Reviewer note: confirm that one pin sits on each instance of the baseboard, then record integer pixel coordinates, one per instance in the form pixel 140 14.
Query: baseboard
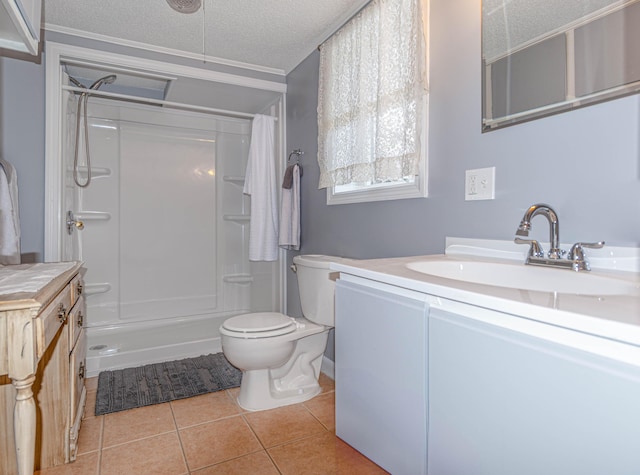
pixel 328 368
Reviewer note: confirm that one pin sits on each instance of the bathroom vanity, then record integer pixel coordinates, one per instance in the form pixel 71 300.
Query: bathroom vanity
pixel 42 353
pixel 438 372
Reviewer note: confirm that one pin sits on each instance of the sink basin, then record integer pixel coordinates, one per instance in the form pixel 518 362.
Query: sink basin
pixel 519 276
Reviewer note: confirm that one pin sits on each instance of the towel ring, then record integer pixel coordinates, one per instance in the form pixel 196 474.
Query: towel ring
pixel 297 152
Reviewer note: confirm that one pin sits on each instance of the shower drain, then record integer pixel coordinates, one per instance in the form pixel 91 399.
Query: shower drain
pixel 97 347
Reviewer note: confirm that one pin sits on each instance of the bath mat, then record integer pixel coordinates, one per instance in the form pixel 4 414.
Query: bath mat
pixel 128 388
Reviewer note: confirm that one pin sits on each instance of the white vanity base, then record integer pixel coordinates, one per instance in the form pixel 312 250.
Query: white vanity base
pixel 503 380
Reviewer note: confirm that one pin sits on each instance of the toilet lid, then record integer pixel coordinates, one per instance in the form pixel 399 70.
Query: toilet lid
pixel 266 324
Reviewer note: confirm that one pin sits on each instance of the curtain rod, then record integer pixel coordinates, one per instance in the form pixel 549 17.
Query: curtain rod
pixel 344 23
pixel 174 105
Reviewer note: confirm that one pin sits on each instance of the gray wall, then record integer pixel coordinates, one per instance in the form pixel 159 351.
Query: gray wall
pixel 22 143
pixel 585 163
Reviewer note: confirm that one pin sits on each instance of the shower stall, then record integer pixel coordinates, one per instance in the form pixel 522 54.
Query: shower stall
pixel 150 199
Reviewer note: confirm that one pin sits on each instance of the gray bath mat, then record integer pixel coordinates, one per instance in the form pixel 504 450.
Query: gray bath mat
pixel 161 382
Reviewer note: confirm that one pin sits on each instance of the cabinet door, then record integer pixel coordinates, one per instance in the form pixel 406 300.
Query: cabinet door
pixel 380 370
pixel 78 394
pixel 505 402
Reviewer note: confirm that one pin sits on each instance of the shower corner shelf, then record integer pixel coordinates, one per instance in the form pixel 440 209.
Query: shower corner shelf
pixel 238 180
pixel 96 172
pixel 237 278
pixel 238 218
pixel 93 215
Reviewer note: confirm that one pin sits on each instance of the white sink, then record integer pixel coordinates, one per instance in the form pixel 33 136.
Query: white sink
pixel 520 276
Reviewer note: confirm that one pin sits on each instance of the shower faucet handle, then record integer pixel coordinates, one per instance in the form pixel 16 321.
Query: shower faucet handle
pixel 72 222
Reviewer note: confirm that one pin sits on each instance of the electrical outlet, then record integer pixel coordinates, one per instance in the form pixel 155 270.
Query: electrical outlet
pixel 480 184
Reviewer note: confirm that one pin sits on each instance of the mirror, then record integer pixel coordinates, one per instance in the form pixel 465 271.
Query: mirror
pixel 542 57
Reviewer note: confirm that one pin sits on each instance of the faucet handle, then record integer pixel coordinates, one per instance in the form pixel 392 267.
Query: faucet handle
pixel 577 250
pixel 535 250
pixel 576 254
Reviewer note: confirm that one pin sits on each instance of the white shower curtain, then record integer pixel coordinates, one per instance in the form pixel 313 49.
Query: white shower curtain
pixel 260 182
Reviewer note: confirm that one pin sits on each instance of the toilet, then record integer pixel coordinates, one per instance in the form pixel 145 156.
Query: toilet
pixel 280 356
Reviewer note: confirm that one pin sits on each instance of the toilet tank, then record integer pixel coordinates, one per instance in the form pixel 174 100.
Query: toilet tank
pixel 316 290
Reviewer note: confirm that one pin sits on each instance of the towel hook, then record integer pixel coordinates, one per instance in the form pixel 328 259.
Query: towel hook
pixel 297 152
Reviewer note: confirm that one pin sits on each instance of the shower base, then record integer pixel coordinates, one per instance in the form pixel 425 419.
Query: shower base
pixel 136 344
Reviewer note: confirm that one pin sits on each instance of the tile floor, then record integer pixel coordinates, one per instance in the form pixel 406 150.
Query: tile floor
pixel 211 434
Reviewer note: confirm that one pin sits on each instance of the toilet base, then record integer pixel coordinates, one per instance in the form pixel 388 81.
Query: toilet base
pixel 295 381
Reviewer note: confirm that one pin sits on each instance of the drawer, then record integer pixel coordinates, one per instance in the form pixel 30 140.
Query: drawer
pixel 76 321
pixel 77 288
pixel 77 370
pixel 77 393
pixel 52 318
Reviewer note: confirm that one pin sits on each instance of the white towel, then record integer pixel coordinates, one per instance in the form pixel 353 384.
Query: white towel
pixel 9 217
pixel 290 214
pixel 260 183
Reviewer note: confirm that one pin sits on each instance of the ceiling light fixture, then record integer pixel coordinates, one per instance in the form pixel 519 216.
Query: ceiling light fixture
pixel 185 6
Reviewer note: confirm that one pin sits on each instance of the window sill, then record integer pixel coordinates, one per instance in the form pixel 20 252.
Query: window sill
pixel 399 192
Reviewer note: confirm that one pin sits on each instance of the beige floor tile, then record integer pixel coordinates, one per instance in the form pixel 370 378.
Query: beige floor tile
pixel 233 394
pixel 159 455
pixel 205 408
pixel 218 441
pixel 90 435
pixel 125 426
pixel 320 455
pixel 323 407
pixel 91 383
pixel 284 424
pixel 84 465
pixel 90 405
pixel 256 463
pixel 326 383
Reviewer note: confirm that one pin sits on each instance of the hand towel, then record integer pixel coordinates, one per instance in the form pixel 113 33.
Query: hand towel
pixel 9 217
pixel 290 213
pixel 260 182
pixel 287 181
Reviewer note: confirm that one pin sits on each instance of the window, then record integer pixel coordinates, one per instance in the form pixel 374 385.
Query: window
pixel 372 103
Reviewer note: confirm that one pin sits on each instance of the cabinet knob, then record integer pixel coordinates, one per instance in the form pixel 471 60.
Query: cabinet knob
pixel 81 370
pixel 79 288
pixel 80 320
pixel 62 314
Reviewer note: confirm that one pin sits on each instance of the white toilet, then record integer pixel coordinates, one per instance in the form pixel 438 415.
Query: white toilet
pixel 280 356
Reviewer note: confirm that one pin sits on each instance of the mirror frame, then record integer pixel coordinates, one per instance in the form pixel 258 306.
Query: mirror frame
pixel 570 102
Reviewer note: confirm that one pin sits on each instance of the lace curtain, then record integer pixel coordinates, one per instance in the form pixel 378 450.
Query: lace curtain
pixel 370 97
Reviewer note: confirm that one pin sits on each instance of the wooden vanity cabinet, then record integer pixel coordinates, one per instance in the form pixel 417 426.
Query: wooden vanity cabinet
pixel 42 360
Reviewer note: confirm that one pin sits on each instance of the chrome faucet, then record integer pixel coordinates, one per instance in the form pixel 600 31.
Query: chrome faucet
pixel 576 259
pixel 554 227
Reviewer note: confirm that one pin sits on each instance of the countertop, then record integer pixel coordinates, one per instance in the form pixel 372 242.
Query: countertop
pixel 27 285
pixel 615 317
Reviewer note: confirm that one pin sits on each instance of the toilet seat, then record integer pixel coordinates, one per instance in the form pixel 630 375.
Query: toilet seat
pixel 259 325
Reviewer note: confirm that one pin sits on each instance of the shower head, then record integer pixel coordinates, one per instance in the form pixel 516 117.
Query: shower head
pixel 105 80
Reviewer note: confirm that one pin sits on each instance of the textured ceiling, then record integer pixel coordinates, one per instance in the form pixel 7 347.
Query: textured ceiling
pixel 266 33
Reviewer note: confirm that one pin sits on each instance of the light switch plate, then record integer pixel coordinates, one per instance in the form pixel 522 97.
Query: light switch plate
pixel 480 184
